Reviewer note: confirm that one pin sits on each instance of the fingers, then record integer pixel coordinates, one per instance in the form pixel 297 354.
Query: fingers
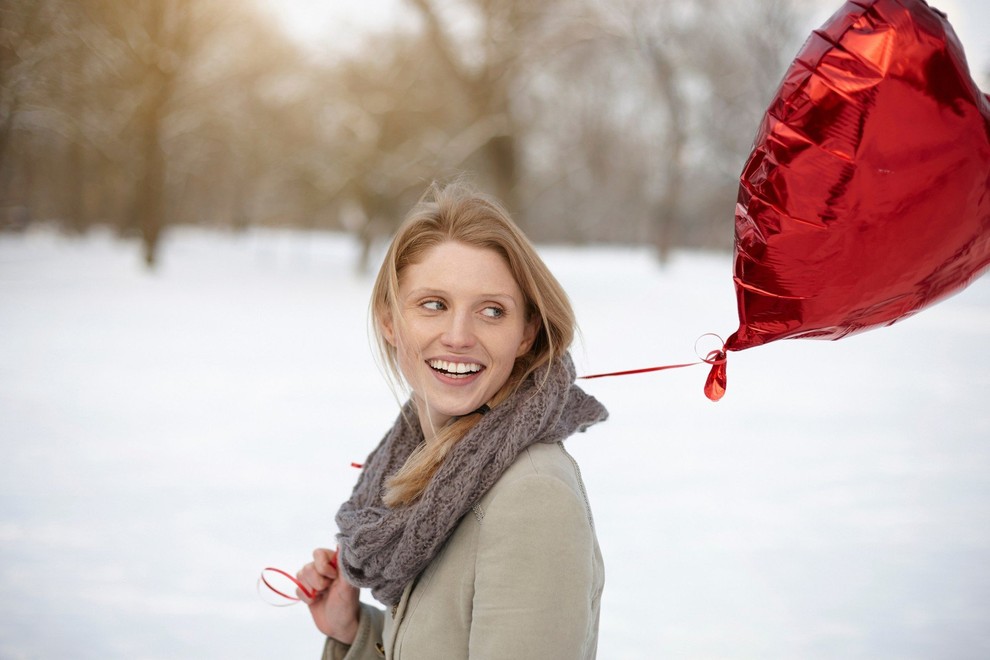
pixel 309 586
pixel 326 562
pixel 312 582
pixel 316 576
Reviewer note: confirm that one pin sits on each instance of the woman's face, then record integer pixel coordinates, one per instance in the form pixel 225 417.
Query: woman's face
pixel 463 324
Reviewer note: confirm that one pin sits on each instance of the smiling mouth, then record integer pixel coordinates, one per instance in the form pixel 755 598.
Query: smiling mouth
pixel 455 369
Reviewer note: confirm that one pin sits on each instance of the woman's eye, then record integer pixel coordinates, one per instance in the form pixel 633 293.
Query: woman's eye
pixel 493 312
pixel 434 305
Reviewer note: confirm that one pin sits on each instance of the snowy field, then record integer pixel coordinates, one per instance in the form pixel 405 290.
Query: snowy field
pixel 166 435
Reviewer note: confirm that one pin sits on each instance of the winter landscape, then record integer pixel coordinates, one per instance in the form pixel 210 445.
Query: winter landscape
pixel 168 434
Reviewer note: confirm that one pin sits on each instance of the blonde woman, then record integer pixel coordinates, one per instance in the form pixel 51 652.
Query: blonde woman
pixel 469 521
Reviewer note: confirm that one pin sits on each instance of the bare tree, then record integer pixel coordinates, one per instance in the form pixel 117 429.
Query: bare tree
pixel 30 40
pixel 149 46
pixel 490 67
pixel 662 100
pixel 594 120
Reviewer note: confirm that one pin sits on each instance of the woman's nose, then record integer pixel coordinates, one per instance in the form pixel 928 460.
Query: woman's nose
pixel 459 332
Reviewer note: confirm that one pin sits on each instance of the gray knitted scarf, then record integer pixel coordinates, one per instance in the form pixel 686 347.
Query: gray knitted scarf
pixel 385 548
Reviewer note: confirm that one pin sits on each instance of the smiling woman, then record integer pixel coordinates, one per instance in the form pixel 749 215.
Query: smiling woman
pixel 467 248
pixel 462 322
pixel 469 521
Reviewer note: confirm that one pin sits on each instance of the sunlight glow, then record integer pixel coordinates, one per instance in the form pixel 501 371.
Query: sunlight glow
pixel 333 23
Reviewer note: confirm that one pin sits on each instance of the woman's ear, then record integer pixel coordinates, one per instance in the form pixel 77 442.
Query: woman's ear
pixel 529 335
pixel 388 328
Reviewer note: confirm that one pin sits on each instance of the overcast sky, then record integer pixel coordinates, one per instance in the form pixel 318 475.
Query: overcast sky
pixel 320 22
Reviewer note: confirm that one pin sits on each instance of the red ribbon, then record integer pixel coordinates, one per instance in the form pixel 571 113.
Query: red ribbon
pixel 714 384
pixel 303 588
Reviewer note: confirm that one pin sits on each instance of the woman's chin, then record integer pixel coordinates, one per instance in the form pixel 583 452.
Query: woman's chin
pixel 441 412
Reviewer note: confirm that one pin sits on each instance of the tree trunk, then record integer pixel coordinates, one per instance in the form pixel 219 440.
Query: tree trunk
pixel 148 212
pixel 668 206
pixel 165 33
pixel 501 153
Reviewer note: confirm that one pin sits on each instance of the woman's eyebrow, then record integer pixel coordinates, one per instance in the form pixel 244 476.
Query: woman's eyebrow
pixel 425 291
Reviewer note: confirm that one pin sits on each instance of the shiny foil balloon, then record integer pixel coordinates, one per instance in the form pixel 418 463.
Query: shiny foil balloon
pixel 867 194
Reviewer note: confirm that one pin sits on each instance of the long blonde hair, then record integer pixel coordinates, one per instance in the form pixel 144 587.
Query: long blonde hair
pixel 456 212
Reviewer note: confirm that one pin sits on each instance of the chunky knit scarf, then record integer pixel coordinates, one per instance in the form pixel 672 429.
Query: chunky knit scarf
pixel 385 548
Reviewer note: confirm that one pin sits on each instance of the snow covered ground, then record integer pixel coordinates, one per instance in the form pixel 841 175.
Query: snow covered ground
pixel 166 435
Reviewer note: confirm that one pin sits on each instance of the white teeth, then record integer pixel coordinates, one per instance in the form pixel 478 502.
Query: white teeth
pixel 455 367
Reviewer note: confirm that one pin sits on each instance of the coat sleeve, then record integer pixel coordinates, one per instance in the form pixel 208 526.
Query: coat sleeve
pixel 536 587
pixel 367 642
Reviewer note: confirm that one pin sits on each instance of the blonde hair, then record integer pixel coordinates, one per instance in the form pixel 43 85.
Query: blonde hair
pixel 456 212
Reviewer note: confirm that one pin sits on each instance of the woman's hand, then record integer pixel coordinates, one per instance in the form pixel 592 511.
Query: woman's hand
pixel 334 602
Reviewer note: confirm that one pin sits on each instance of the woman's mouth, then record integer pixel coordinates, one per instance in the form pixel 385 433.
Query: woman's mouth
pixel 455 370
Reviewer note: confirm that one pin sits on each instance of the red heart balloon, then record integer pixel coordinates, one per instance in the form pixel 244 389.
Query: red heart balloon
pixel 867 194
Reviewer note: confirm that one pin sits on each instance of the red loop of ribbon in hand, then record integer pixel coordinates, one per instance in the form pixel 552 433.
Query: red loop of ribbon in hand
pixel 309 593
pixel 303 588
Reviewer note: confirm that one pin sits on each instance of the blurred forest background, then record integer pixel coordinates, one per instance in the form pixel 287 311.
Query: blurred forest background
pixel 621 121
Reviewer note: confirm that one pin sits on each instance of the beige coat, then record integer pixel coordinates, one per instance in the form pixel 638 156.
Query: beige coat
pixel 521 577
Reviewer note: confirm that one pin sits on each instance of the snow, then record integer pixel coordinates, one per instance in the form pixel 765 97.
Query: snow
pixel 167 435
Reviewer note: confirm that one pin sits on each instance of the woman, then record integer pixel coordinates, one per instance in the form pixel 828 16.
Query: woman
pixel 469 520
